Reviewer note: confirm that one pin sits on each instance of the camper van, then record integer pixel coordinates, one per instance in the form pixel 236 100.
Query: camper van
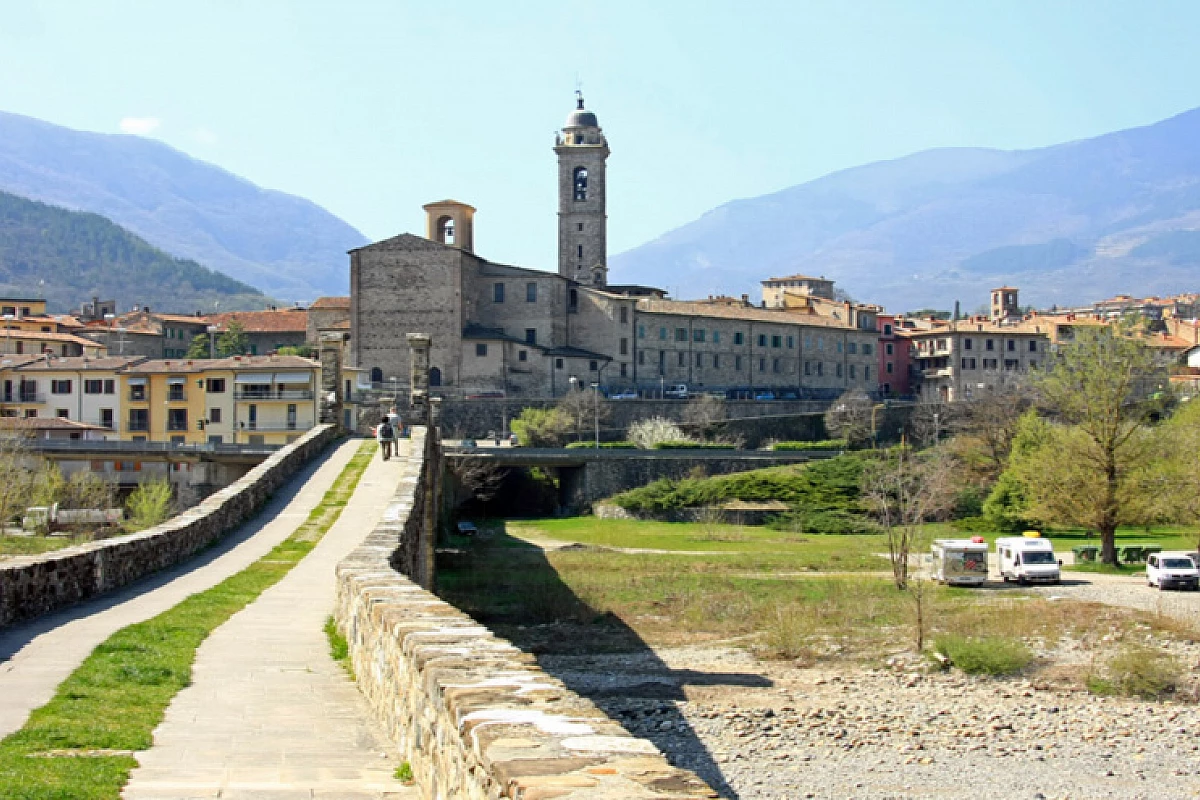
pixel 1027 559
pixel 960 562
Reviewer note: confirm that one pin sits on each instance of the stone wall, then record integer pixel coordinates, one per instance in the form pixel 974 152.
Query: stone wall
pixel 474 716
pixel 34 585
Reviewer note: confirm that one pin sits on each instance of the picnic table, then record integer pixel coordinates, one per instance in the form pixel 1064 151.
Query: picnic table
pixel 1085 553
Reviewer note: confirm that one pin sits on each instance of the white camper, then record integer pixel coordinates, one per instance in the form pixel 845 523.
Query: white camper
pixel 960 562
pixel 1027 559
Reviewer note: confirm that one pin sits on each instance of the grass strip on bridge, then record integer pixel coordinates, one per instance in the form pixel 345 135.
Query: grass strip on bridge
pixel 80 745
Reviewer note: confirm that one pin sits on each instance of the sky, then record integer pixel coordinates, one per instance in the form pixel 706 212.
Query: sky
pixel 372 109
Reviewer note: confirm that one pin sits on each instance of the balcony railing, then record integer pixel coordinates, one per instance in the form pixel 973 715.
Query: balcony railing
pixel 272 394
pixel 179 396
pixel 938 372
pixel 23 397
pixel 138 397
pixel 137 426
pixel 177 426
pixel 270 427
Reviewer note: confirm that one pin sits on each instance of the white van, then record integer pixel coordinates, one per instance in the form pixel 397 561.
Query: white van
pixel 1168 569
pixel 1027 559
pixel 960 562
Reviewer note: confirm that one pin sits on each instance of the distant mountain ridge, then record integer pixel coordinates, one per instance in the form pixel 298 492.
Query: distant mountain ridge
pixel 67 257
pixel 284 245
pixel 1068 223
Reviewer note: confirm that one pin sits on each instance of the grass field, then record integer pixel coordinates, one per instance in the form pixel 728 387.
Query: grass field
pixel 770 589
pixel 80 745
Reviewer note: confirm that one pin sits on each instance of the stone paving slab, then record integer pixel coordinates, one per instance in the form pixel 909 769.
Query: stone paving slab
pixel 37 656
pixel 269 714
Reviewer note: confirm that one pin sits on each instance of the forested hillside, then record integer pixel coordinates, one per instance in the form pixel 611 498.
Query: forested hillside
pixel 69 256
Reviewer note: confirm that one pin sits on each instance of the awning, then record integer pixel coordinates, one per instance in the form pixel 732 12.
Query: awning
pixel 136 381
pixel 176 381
pixel 253 377
pixel 294 377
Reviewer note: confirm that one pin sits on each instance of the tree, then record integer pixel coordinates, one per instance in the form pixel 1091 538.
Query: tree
pixel 647 433
pixel 1172 479
pixel 930 421
pixel 541 427
pixel 903 490
pixel 990 419
pixel 233 341
pixel 851 418
pixel 1085 470
pixel 17 479
pixel 148 505
pixel 200 347
pixel 704 413
pixel 584 408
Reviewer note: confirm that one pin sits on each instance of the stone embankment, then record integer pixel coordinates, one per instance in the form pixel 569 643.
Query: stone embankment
pixel 31 586
pixel 473 715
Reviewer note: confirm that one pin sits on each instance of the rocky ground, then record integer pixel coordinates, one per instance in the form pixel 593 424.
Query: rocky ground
pixel 766 730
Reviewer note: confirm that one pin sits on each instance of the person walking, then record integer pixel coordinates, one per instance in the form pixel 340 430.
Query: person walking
pixel 386 435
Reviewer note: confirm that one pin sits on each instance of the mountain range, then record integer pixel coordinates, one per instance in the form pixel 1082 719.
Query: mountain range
pixel 68 257
pixel 1067 224
pixel 284 245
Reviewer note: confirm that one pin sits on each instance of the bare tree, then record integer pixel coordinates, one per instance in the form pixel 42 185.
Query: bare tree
pixel 851 418
pixel 704 413
pixel 990 416
pixel 584 408
pixel 931 420
pixel 480 478
pixel 16 477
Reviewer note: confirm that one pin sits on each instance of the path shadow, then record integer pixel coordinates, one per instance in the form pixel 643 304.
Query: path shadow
pixel 14 638
pixel 510 585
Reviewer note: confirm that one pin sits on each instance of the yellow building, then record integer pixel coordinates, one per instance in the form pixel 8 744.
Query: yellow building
pixel 260 399
pixel 163 401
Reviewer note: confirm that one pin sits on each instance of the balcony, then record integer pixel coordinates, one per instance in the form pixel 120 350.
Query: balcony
pixel 272 427
pixel 138 397
pixel 138 426
pixel 937 372
pixel 259 395
pixel 25 397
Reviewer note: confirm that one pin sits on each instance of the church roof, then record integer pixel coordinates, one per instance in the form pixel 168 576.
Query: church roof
pixel 581 117
pixel 405 241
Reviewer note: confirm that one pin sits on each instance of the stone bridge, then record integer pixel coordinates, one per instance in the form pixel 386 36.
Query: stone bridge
pixel 586 475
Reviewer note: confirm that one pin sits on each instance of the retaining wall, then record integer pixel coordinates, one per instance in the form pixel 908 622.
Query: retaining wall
pixel 474 716
pixel 34 585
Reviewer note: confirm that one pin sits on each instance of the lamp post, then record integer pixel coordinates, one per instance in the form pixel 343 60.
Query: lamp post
pixel 596 411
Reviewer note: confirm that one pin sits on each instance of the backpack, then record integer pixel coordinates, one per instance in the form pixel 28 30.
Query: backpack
pixel 385 430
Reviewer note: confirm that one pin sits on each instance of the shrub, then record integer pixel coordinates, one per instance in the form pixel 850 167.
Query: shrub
pixel 1137 672
pixel 603 445
pixel 647 433
pixel 541 427
pixel 824 444
pixel 831 521
pixel 984 655
pixel 148 505
pixel 689 444
pixel 1007 507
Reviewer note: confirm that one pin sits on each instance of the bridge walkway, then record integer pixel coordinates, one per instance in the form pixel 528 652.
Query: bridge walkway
pixel 269 713
pixel 37 656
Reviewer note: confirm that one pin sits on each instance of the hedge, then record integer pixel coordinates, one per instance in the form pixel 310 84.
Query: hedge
pixel 824 444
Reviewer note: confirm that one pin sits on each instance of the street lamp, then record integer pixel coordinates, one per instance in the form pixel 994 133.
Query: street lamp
pixel 596 411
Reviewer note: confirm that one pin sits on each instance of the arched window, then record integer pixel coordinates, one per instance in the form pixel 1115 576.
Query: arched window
pixel 445 230
pixel 581 183
pixel 376 376
pixel 435 376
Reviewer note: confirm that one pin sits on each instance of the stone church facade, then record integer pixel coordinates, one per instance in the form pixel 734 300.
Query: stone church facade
pixel 500 329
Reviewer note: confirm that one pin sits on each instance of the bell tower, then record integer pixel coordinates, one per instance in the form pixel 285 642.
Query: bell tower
pixel 582 222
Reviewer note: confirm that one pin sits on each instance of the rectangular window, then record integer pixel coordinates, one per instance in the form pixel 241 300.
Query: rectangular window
pixel 522 355
pixel 791 342
pixel 775 365
pixel 807 368
pixel 62 413
pixel 698 335
pixel 991 363
pixel 868 349
pixel 579 251
pixel 93 387
pixel 177 419
pixel 681 355
pixel 776 341
pixel 737 363
pixel 531 336
pixel 839 369
pixel 480 349
pixel 531 292
pixel 889 368
pixel 681 334
pixel 1011 345
pixel 966 344
pixel 839 345
pixel 498 293
pixel 214 415
pixel 762 340
pixel 989 344
pixel 716 361
pixel 139 419
pixel 579 227
pixel 739 337
pixel 641 356
pixel 624 373
pixel 716 337
pixel 558 363
pixel 662 333
pixel 1011 364
pixel 60 387
pixel 887 329
pixel 593 366
pixel 699 359
pixel 820 368
pixel 624 346
pixel 888 348
pixel 110 386
pixel 1033 345
pixel 215 385
pixel 641 331
pixel 820 343
pixel 624 315
pixel 137 393
pixel 866 373
pixel 852 349
pixel 762 365
pixel 106 418
pixel 852 371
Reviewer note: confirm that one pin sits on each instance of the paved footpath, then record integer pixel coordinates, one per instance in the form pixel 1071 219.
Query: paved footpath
pixel 269 714
pixel 37 656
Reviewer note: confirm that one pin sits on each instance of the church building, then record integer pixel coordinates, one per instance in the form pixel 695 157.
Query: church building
pixel 499 329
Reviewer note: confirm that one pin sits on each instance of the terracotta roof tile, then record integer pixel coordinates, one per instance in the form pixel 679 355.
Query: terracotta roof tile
pixel 284 320
pixel 331 303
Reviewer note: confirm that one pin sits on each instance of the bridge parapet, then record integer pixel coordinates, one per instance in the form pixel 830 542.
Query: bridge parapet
pixel 476 717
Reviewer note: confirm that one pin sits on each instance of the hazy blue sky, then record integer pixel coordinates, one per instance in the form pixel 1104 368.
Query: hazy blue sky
pixel 373 108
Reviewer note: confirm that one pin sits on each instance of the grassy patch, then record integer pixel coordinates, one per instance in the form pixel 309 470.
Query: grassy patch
pixel 1137 671
pixel 339 648
pixel 984 655
pixel 33 545
pixel 117 697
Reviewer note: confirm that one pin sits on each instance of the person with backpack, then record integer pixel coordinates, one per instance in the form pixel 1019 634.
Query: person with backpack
pixel 386 435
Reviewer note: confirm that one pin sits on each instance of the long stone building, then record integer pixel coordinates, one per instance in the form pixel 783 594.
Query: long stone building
pixel 501 329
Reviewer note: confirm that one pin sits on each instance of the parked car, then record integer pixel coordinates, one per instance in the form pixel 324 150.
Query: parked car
pixel 1168 569
pixel 679 391
pixel 466 528
pixel 765 396
pixel 1027 559
pixel 628 394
